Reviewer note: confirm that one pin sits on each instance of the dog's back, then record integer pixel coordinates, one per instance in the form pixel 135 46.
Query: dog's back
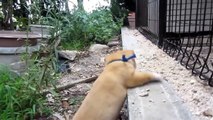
pixel 109 91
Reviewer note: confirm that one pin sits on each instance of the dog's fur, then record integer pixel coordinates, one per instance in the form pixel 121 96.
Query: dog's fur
pixel 109 91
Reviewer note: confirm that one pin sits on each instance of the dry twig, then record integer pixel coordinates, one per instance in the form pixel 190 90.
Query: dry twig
pixel 69 85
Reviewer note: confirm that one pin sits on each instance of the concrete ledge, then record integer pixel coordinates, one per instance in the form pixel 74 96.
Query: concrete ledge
pixel 16 50
pixel 160 103
pixel 10 55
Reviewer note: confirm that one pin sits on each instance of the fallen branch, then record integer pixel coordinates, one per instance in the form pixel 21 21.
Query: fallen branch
pixel 69 85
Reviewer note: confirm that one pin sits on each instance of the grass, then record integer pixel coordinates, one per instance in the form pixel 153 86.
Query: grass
pixel 75 45
pixel 19 98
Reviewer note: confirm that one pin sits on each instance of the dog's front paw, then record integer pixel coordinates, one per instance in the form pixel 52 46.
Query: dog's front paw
pixel 157 77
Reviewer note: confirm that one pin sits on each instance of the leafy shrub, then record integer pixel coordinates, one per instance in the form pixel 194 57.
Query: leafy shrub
pixel 102 25
pixel 79 29
pixel 85 28
pixel 19 98
pixel 74 32
pixel 118 9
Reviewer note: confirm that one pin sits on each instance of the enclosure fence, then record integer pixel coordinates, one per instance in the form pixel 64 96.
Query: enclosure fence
pixel 184 29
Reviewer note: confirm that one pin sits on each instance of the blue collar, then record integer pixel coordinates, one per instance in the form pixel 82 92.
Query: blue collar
pixel 124 58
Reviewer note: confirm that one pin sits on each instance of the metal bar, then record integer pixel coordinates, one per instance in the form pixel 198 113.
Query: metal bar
pixel 205 65
pixel 162 21
pixel 169 22
pixel 194 43
pixel 184 26
pixel 201 44
pixel 197 61
pixel 176 41
pixel 180 44
pixel 168 16
pixel 189 37
pixel 210 80
pixel 137 15
pixel 169 45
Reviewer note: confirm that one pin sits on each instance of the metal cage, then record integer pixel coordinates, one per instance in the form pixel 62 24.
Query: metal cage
pixel 184 31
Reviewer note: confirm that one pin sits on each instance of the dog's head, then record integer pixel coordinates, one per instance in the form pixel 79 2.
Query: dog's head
pixel 121 55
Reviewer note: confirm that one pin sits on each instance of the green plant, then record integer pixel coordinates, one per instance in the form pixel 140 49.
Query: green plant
pixel 19 97
pixel 79 29
pixel 102 26
pixel 74 30
pixel 118 9
pixel 42 67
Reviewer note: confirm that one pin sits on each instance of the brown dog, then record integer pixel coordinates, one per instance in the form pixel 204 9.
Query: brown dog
pixel 109 91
